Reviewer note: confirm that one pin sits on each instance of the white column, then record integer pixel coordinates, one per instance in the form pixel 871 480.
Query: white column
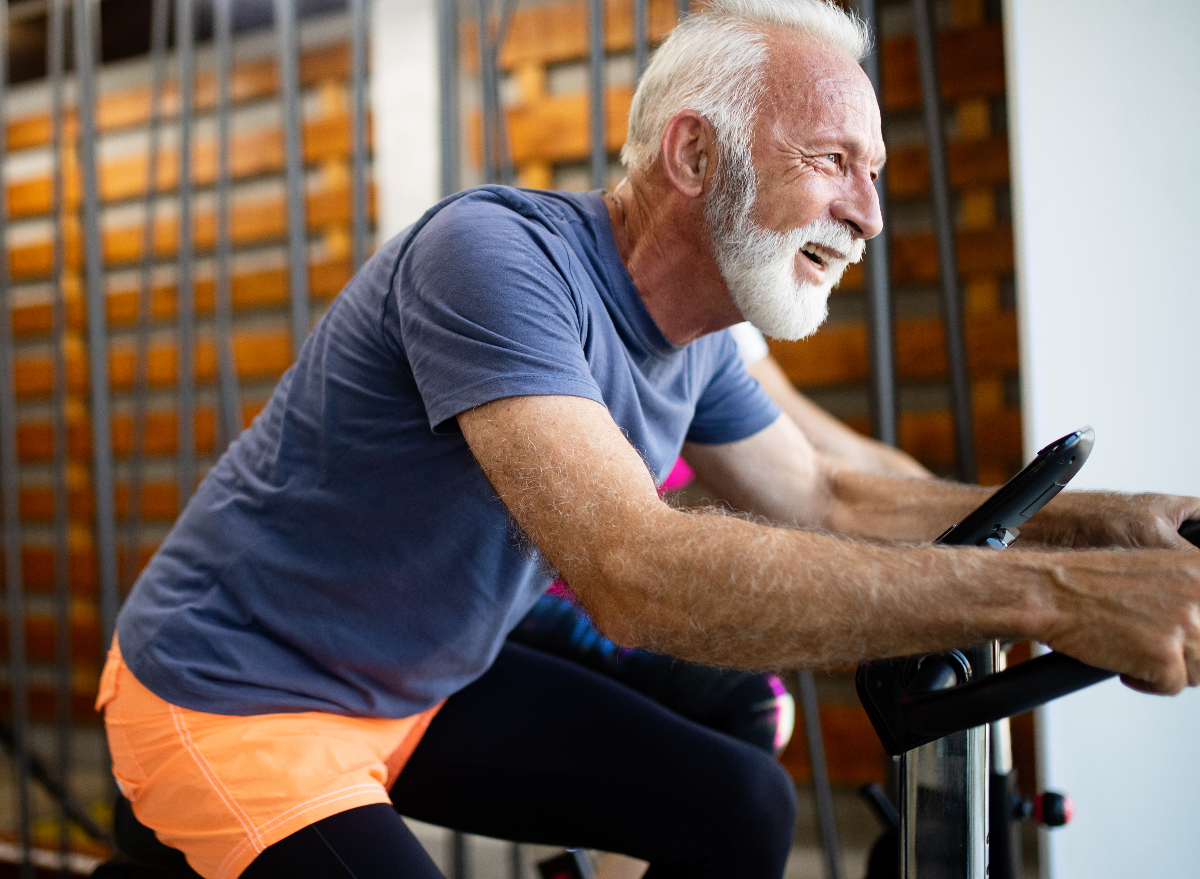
pixel 404 101
pixel 1104 106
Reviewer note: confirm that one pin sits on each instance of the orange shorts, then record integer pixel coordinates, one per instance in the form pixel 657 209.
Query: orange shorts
pixel 222 788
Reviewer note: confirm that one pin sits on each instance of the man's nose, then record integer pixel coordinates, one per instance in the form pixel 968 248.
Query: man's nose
pixel 859 206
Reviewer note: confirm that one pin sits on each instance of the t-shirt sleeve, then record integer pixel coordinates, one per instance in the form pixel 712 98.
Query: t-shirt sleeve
pixel 487 310
pixel 733 405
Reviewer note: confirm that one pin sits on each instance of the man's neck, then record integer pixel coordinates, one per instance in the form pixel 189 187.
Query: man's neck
pixel 663 241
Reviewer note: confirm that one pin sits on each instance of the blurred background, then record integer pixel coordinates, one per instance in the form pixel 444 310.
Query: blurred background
pixel 190 182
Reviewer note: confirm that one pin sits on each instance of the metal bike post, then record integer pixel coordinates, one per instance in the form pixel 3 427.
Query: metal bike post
pixel 944 798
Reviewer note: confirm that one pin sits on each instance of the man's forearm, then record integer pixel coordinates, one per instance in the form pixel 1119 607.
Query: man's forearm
pixel 725 591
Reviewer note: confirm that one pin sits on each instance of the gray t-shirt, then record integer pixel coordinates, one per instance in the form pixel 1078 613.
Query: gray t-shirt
pixel 347 554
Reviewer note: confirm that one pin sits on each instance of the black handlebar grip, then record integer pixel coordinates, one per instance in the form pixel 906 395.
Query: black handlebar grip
pixel 1190 531
pixel 1019 689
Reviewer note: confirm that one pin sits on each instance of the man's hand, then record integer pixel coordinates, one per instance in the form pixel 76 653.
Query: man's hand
pixel 1096 519
pixel 1137 613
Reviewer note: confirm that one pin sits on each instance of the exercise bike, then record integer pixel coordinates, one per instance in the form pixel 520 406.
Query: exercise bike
pixel 945 715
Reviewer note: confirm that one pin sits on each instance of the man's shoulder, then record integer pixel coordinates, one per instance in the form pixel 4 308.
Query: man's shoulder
pixel 507 206
pixel 487 227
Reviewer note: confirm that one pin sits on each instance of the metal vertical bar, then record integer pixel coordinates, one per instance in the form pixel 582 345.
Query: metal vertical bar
pixel 448 89
pixel 159 19
pixel 359 24
pixel 682 8
pixel 185 291
pixel 487 71
pixel 884 405
pixel 516 862
pixel 821 790
pixel 508 174
pixel 102 455
pixel 288 31
pixel 460 856
pixel 55 47
pixel 596 93
pixel 641 35
pixel 230 407
pixel 9 476
pixel 960 388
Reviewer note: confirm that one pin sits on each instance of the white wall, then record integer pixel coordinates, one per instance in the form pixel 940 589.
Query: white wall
pixel 1104 106
pixel 404 100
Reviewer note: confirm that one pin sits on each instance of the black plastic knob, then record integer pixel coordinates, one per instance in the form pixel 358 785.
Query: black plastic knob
pixel 1053 809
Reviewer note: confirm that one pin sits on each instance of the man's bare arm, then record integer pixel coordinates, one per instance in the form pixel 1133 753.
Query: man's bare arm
pixel 723 590
pixel 778 474
pixel 829 436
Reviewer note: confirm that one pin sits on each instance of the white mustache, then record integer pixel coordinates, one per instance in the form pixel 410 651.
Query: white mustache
pixel 831 236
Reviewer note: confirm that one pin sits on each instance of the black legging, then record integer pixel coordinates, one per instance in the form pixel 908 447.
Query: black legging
pixel 540 750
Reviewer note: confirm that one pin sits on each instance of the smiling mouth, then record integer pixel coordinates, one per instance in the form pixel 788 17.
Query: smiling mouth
pixel 815 256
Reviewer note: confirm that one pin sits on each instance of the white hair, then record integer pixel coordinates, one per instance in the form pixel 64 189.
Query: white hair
pixel 713 61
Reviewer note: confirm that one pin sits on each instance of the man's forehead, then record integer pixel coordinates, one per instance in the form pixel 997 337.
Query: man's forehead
pixel 814 89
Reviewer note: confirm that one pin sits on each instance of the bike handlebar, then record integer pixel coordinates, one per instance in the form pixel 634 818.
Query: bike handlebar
pixel 931 705
pixel 1019 689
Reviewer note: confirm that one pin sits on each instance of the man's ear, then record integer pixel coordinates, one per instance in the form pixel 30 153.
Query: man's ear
pixel 688 152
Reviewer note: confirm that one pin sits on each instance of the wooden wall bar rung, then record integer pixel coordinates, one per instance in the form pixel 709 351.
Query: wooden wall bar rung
pixel 839 354
pixel 259 354
pixel 35 438
pixel 558 33
pixel 929 436
pixel 254 290
pixel 252 154
pixel 43 708
pixel 258 222
pixel 968 163
pixel 39 637
pixel 130 108
pixel 986 252
pixel 159 503
pixel 37 564
pixel 556 128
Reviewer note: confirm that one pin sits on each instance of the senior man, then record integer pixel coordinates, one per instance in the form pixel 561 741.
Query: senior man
pixel 494 397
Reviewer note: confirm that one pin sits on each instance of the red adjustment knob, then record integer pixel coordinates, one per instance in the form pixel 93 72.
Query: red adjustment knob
pixel 1052 809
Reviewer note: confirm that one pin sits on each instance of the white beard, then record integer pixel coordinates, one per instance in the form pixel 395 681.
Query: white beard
pixel 759 266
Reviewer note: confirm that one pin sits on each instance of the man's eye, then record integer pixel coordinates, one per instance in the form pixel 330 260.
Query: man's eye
pixel 834 157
